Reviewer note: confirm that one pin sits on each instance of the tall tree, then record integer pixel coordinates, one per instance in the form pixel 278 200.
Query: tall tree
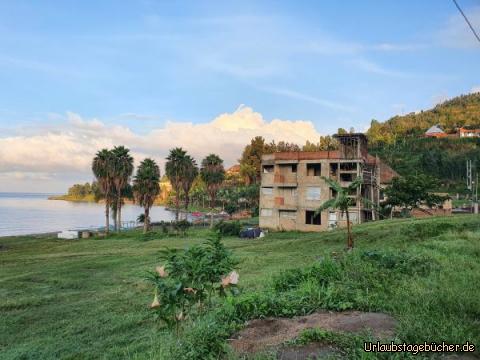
pixel 102 167
pixel 190 174
pixel 175 170
pixel 412 191
pixel 122 172
pixel 213 174
pixel 325 143
pixel 342 201
pixel 146 188
pixel 251 161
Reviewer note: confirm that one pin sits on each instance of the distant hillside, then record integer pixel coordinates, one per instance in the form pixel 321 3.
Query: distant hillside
pixel 459 111
pixel 444 159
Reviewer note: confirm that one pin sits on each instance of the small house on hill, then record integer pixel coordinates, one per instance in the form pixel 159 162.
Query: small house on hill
pixel 468 132
pixel 436 132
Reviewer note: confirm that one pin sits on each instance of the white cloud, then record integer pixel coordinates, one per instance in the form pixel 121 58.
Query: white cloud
pixel 67 151
pixel 475 89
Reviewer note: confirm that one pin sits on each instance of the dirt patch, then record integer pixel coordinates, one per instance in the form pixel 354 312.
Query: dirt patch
pixel 267 333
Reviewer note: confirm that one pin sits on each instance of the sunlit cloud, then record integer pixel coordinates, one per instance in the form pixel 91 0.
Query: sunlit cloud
pixel 69 149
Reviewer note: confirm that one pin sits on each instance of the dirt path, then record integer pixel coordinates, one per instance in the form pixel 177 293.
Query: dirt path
pixel 268 333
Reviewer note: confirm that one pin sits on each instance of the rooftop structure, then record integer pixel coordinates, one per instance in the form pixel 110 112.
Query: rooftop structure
pixel 435 131
pixel 292 188
pixel 467 132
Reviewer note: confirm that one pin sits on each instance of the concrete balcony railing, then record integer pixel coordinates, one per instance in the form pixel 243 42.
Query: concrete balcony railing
pixel 267 179
pixel 285 179
pixel 285 202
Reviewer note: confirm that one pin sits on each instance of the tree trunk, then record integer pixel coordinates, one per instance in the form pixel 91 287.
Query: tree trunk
pixel 177 205
pixel 211 220
pixel 107 217
pixel 187 201
pixel 212 199
pixel 349 233
pixel 146 221
pixel 119 213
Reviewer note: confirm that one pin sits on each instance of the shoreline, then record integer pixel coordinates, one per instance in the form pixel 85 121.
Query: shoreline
pixel 34 235
pixel 93 201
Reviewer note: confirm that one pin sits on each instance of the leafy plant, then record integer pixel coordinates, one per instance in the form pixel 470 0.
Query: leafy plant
pixel 342 201
pixel 228 228
pixel 189 277
pixel 141 218
pixel 412 191
pixel 181 226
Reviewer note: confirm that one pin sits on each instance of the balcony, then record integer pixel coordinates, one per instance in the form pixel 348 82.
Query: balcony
pixel 285 180
pixel 267 179
pixel 286 202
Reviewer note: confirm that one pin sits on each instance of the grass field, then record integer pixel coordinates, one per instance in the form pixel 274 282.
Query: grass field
pixel 88 298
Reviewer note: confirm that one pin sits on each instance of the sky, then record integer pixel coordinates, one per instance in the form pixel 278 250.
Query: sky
pixel 77 76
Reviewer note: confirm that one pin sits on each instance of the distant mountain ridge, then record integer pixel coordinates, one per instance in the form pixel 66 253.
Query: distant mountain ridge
pixel 463 110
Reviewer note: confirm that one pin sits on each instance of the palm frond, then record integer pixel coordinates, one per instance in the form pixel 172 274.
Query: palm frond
pixel 329 204
pixel 355 183
pixel 333 184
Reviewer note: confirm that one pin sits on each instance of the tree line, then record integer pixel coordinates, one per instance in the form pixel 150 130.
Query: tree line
pixel 113 170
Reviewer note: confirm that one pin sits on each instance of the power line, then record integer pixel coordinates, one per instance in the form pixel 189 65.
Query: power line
pixel 466 19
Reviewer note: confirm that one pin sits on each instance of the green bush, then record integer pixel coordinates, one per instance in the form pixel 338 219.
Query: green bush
pixel 191 276
pixel 181 226
pixel 400 262
pixel 322 273
pixel 204 340
pixel 228 228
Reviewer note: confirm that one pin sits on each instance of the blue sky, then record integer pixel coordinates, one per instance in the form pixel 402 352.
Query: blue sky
pixel 138 66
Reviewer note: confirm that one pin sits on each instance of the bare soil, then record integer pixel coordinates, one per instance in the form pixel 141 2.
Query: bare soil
pixel 270 333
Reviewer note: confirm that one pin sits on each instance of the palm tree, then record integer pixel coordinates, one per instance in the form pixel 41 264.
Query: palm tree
pixel 102 169
pixel 175 170
pixel 342 201
pixel 123 169
pixel 146 188
pixel 189 176
pixel 213 174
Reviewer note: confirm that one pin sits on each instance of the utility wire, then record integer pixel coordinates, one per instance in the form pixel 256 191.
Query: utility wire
pixel 466 19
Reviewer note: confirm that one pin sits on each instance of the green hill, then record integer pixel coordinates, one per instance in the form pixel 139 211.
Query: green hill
pixel 460 111
pixel 444 159
pixel 400 142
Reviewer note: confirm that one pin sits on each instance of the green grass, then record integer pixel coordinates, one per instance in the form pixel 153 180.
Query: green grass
pixel 88 298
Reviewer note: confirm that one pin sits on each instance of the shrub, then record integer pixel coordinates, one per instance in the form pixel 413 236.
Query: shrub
pixel 231 208
pixel 204 340
pixel 191 276
pixel 402 263
pixel 165 227
pixel 322 273
pixel 231 228
pixel 181 226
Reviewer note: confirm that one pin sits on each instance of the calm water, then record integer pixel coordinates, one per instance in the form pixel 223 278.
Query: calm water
pixel 22 214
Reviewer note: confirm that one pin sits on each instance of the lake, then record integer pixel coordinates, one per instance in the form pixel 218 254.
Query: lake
pixel 22 214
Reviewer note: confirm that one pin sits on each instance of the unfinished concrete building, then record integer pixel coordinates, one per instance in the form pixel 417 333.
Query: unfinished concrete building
pixel 292 188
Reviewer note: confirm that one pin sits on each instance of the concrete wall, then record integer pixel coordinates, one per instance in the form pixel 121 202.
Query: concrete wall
pixel 288 201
